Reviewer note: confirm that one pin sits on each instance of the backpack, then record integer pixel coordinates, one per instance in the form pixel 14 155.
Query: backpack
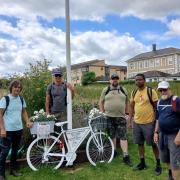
pixel 51 96
pixel 149 93
pixel 8 100
pixel 119 89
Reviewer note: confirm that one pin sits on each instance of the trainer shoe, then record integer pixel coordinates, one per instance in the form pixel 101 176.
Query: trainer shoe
pixel 158 170
pixel 127 161
pixel 140 167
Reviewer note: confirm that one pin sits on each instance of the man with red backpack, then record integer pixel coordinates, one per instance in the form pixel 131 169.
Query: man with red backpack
pixel 167 130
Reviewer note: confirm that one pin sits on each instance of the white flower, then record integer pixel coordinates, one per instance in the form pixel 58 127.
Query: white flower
pixel 94 112
pixel 41 111
pixel 48 116
pixel 35 112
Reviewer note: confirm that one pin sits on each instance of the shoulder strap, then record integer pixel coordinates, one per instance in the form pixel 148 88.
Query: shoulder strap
pixel 122 90
pixel 174 103
pixel 107 91
pixel 22 101
pixel 7 103
pixel 134 92
pixel 149 93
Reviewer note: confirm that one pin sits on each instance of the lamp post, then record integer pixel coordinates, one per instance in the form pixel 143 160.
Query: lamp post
pixel 68 65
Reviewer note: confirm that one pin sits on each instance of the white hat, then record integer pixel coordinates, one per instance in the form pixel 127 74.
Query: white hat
pixel 163 85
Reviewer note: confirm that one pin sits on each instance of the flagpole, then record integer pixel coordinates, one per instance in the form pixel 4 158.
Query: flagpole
pixel 68 65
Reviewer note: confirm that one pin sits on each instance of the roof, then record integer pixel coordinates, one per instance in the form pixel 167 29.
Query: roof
pixel 150 74
pixel 84 64
pixel 151 54
pixel 119 67
pixel 175 75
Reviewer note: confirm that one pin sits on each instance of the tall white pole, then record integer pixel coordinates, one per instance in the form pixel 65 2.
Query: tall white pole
pixel 68 65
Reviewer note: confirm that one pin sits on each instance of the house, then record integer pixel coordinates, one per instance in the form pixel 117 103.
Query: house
pixel 101 69
pixel 166 60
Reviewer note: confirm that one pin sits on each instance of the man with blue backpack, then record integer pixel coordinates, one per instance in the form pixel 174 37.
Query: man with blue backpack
pixel 167 130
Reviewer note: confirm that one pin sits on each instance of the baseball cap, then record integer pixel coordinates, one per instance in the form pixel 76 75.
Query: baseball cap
pixel 114 76
pixel 57 71
pixel 163 85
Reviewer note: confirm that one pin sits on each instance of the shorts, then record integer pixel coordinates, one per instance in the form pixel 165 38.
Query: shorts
pixel 143 132
pixel 117 127
pixel 171 153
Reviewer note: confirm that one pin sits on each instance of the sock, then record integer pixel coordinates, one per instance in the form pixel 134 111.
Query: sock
pixel 158 162
pixel 170 172
pixel 125 154
pixel 143 161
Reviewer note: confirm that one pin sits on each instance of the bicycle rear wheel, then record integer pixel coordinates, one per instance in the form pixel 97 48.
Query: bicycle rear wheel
pixel 99 148
pixel 36 151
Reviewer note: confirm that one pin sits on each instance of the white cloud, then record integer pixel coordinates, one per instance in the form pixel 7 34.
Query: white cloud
pixel 92 10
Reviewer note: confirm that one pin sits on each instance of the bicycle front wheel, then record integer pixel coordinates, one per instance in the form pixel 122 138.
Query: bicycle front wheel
pixel 99 148
pixel 36 158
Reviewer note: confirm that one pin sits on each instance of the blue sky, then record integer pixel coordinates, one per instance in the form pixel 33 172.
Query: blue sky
pixel 112 30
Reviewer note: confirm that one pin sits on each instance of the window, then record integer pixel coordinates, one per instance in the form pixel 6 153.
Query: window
pixel 140 65
pixel 170 60
pixel 151 63
pixel 157 63
pixel 102 68
pixel 131 65
pixel 84 69
pixel 146 64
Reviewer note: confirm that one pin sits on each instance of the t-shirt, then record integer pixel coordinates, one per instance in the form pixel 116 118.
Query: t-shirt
pixel 169 121
pixel 143 109
pixel 13 114
pixel 59 93
pixel 114 101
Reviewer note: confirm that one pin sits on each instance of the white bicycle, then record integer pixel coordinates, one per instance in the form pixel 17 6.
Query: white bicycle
pixel 48 150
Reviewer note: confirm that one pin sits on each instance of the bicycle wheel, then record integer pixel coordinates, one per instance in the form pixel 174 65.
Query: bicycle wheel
pixel 36 154
pixel 99 148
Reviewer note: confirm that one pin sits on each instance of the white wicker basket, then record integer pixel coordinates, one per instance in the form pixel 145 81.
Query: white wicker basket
pixel 42 128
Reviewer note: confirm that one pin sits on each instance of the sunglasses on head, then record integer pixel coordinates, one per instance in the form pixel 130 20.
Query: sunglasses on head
pixel 57 75
pixel 163 90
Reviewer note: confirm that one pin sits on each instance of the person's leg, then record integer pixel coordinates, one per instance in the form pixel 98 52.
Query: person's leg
pixel 15 147
pixel 176 174
pixel 5 146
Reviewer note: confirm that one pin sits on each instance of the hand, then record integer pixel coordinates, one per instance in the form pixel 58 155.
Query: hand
pixel 129 121
pixel 29 124
pixel 156 138
pixel 69 86
pixel 2 133
pixel 177 139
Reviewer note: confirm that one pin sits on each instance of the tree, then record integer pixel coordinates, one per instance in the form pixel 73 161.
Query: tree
pixel 88 78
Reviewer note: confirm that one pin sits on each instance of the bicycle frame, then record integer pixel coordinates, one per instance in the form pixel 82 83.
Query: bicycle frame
pixel 73 139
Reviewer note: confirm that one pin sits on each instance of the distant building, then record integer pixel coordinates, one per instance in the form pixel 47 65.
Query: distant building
pixel 166 60
pixel 102 70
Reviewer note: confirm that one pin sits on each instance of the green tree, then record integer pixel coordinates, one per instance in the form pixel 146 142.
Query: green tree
pixel 88 78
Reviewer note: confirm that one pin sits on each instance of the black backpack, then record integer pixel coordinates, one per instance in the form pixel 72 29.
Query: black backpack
pixel 8 100
pixel 119 89
pixel 149 93
pixel 51 96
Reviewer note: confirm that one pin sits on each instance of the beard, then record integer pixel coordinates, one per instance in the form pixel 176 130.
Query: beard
pixel 164 97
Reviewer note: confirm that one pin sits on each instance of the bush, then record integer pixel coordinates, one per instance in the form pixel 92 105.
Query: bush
pixel 88 78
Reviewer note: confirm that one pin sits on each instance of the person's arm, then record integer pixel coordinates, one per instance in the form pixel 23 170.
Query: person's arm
pixel 72 89
pixel 156 132
pixel 131 113
pixel 25 117
pixel 2 129
pixel 101 107
pixel 177 138
pixel 47 103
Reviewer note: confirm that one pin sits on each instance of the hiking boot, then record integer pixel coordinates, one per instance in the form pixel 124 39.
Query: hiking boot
pixel 140 167
pixel 158 170
pixel 127 161
pixel 15 173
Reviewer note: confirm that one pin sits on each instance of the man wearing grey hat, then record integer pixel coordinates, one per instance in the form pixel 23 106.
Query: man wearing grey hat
pixel 114 102
pixel 56 95
pixel 167 130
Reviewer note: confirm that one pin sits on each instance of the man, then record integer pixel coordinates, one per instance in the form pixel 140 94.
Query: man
pixel 56 95
pixel 141 107
pixel 113 102
pixel 168 123
pixel 12 110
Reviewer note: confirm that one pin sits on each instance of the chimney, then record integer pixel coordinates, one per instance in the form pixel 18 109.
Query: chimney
pixel 153 47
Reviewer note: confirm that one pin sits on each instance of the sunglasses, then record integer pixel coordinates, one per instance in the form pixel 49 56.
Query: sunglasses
pixel 57 75
pixel 163 90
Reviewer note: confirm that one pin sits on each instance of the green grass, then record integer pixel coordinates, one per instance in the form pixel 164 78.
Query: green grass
pixel 116 170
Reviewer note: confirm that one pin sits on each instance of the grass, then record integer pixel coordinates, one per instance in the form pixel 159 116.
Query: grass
pixel 116 170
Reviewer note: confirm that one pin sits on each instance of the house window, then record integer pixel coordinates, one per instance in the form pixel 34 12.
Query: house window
pixel 157 63
pixel 101 68
pixel 132 66
pixel 146 64
pixel 140 65
pixel 170 60
pixel 151 63
pixel 84 69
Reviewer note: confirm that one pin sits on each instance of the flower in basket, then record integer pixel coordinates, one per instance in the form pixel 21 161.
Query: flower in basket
pixel 41 116
pixel 94 113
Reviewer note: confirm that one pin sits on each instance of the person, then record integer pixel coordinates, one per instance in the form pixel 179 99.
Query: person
pixel 168 124
pixel 142 110
pixel 113 102
pixel 11 126
pixel 56 95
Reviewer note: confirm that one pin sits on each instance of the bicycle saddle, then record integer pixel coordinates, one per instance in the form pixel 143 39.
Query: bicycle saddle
pixel 58 124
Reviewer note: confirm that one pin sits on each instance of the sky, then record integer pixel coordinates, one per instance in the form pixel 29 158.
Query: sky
pixel 113 30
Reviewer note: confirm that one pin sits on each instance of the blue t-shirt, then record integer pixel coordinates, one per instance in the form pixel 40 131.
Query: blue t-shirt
pixel 13 114
pixel 169 120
